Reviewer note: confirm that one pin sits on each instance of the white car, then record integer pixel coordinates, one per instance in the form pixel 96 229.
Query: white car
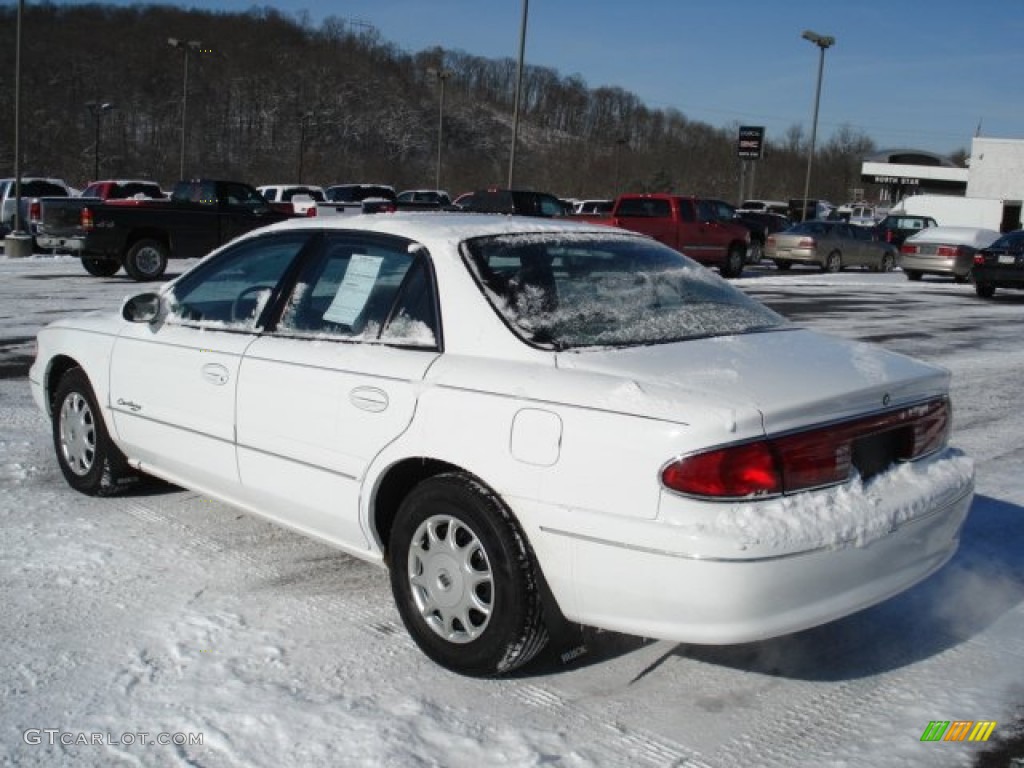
pixel 526 421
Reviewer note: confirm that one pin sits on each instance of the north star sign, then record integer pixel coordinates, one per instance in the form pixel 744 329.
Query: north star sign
pixel 751 141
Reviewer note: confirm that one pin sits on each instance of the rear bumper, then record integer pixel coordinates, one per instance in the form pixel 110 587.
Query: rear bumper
pixel 1000 277
pixel 936 265
pixel 651 583
pixel 62 244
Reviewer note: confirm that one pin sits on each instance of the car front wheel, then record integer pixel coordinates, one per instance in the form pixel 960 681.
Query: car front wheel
pixel 464 579
pixel 88 458
pixel 146 260
pixel 985 290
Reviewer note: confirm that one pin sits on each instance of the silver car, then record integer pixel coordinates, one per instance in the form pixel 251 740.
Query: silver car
pixel 945 251
pixel 830 245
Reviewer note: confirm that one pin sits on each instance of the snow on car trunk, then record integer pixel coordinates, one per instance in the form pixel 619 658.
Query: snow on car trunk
pixel 793 377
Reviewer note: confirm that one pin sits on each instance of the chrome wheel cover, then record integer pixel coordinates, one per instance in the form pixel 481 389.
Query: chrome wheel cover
pixel 148 260
pixel 451 579
pixel 77 434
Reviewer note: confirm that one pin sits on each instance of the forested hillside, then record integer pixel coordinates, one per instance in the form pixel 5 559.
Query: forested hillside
pixel 269 95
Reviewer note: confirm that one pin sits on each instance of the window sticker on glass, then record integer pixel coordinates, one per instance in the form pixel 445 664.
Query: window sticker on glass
pixel 355 289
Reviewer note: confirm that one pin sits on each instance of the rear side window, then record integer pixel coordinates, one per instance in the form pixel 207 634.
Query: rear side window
pixel 365 289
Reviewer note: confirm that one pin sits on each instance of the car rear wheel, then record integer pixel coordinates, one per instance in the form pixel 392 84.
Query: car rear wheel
pixel 985 290
pixel 755 252
pixel 888 262
pixel 146 260
pixel 464 579
pixel 912 275
pixel 833 263
pixel 101 267
pixel 734 259
pixel 88 458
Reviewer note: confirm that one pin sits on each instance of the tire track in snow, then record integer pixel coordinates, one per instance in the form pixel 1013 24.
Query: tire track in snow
pixel 637 747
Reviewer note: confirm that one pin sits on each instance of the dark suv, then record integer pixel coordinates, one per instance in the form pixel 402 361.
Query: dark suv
pixel 897 227
pixel 521 202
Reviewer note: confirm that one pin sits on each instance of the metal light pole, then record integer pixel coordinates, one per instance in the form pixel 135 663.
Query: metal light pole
pixel 98 109
pixel 440 74
pixel 519 89
pixel 185 47
pixel 823 42
pixel 303 127
pixel 19 225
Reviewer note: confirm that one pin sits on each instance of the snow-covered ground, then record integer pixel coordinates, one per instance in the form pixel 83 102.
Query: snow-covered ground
pixel 164 613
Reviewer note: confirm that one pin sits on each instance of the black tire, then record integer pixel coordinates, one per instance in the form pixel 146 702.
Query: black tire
pixel 833 263
pixel 985 290
pixel 101 267
pixel 485 629
pixel 735 258
pixel 961 279
pixel 912 275
pixel 88 458
pixel 887 264
pixel 783 265
pixel 146 260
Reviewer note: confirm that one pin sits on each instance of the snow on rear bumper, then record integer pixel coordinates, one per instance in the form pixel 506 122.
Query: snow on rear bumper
pixel 659 579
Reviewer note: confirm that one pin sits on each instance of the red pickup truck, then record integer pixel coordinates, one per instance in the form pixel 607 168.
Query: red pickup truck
pixel 698 227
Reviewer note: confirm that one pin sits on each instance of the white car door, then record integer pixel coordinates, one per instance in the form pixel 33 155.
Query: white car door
pixel 173 382
pixel 336 381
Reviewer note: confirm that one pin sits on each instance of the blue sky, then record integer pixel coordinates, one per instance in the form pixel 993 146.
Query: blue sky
pixel 908 73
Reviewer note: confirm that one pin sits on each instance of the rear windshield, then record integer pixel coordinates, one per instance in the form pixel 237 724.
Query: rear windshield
pixel 573 290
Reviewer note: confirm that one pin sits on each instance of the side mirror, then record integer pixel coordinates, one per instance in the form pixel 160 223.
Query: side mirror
pixel 144 308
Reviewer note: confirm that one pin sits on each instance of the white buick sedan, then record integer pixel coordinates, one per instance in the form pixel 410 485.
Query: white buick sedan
pixel 525 421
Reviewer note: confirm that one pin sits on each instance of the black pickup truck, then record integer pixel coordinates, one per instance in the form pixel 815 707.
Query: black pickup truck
pixel 141 236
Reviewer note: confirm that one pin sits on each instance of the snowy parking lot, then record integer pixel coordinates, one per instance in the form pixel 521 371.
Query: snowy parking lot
pixel 159 628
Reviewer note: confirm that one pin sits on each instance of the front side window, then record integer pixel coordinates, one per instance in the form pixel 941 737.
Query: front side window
pixel 367 289
pixel 572 290
pixel 230 291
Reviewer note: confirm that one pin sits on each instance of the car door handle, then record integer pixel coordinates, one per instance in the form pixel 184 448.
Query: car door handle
pixel 369 399
pixel 215 373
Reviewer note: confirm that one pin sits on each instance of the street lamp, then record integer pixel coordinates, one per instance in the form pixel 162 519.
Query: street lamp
pixel 823 42
pixel 440 74
pixel 185 46
pixel 519 88
pixel 97 109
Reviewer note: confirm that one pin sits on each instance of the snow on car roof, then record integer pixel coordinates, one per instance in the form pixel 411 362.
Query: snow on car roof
pixel 976 236
pixel 448 227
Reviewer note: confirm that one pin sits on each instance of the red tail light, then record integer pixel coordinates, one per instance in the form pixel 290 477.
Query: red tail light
pixel 770 240
pixel 979 259
pixel 888 236
pixel 34 210
pixel 311 212
pixel 813 459
pixel 806 242
pixel 949 251
pixel 85 220
pixel 909 248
